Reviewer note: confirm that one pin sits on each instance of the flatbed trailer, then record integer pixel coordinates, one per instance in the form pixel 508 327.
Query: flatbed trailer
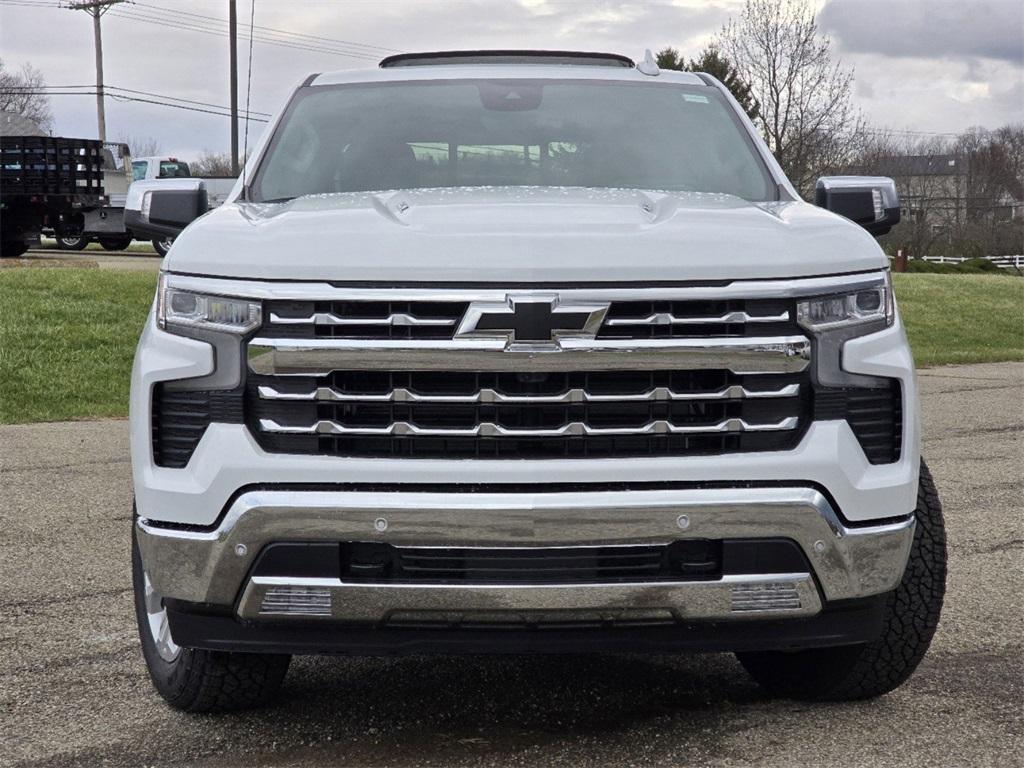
pixel 46 182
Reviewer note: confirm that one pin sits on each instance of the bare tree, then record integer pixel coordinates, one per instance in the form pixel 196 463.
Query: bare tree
pixel 807 114
pixel 993 173
pixel 713 62
pixel 140 146
pixel 22 92
pixel 212 164
pixel 994 188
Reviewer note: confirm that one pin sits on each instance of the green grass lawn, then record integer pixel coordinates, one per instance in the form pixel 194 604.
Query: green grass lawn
pixel 67 339
pixel 67 336
pixel 962 318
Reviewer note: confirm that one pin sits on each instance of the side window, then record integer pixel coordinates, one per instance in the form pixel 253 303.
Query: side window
pixel 139 170
pixel 172 169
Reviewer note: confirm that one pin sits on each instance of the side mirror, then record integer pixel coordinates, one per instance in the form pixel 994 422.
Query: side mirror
pixel 177 207
pixel 161 208
pixel 871 201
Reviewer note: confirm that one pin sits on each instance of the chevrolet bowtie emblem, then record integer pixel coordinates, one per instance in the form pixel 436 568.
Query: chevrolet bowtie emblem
pixel 533 320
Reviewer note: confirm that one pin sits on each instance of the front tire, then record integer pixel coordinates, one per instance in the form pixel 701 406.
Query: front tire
pixel 195 680
pixel 163 246
pixel 115 243
pixel 73 243
pixel 12 249
pixel 863 671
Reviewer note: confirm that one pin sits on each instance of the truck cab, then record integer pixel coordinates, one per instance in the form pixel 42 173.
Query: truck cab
pixel 527 352
pixel 144 168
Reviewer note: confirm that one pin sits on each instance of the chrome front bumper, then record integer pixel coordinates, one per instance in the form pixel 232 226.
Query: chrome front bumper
pixel 213 566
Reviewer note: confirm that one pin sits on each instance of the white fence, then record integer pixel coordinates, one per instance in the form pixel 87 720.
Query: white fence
pixel 1006 262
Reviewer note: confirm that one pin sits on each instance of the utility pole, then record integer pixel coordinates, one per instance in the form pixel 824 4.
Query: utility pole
pixel 97 8
pixel 233 36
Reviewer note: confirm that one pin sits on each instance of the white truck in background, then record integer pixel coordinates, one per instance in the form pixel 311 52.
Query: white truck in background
pixel 167 174
pixel 108 226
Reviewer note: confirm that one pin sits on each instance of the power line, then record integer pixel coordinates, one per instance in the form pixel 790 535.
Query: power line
pixel 121 97
pixel 270 38
pixel 188 101
pixel 198 22
pixel 211 25
pixel 909 131
pixel 281 31
pixel 225 113
pixel 54 89
pixel 168 23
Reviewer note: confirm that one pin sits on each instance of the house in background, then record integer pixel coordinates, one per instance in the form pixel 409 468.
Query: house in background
pixel 946 192
pixel 933 188
pixel 13 124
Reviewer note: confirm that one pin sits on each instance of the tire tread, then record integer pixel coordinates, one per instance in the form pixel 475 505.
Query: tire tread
pixel 912 615
pixel 206 681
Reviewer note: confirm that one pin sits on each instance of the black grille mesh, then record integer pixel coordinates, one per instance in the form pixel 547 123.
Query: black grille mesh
pixel 180 417
pixel 874 414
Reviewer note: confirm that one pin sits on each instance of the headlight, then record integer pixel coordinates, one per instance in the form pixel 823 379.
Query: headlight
pixel 189 309
pixel 871 304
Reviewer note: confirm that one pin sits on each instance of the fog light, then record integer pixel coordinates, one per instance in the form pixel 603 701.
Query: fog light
pixel 769 596
pixel 296 601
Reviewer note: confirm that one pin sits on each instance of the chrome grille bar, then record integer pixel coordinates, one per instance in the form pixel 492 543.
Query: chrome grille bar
pixel 319 357
pixel 394 319
pixel 310 290
pixel 667 318
pixel 576 395
pixel 490 429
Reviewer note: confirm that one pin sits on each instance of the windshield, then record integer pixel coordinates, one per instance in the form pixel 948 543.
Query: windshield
pixel 409 135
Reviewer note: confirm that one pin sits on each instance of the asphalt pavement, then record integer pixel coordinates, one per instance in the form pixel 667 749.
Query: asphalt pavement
pixel 74 690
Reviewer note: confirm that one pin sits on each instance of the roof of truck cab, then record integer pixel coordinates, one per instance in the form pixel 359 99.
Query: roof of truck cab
pixel 501 71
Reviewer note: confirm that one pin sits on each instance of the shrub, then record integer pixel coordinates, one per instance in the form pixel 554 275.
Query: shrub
pixel 982 265
pixel 969 267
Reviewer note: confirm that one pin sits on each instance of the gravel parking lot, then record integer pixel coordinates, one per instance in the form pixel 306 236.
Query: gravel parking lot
pixel 74 689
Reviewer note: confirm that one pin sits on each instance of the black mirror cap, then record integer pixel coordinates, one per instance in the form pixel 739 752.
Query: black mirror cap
pixel 177 207
pixel 871 201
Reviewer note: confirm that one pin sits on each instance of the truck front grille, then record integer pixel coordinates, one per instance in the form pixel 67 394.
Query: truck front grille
pixel 384 563
pixel 527 415
pixel 389 320
pixel 469 373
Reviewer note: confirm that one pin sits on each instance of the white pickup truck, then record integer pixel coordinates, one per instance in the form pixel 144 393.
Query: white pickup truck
pixel 107 224
pixel 527 351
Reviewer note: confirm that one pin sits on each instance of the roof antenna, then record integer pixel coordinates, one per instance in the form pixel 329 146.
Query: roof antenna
pixel 248 92
pixel 649 66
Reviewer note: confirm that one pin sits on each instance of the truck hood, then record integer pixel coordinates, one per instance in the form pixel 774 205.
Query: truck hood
pixel 521 235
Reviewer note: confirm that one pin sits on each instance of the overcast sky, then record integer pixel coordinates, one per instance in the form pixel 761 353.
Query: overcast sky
pixel 922 65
